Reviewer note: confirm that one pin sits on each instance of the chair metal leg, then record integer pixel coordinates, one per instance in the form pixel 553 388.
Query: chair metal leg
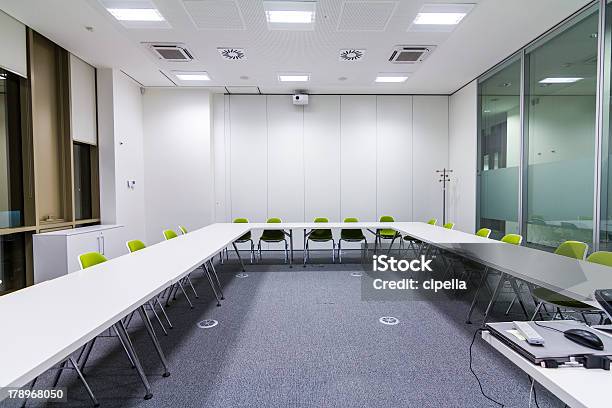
pixel 185 293
pixel 87 354
pixel 286 252
pixel 537 309
pixel 82 378
pixel 502 279
pixel 192 288
pixel 164 312
pixel 152 306
pixel 123 334
pixel 340 250
pixel 59 373
pixel 517 291
pixel 485 273
pixel 212 285
pixel 214 273
pixel 252 250
pixel 333 251
pixel 149 327
pixel 25 401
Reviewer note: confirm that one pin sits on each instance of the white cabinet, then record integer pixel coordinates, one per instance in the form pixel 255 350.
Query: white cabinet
pixel 56 253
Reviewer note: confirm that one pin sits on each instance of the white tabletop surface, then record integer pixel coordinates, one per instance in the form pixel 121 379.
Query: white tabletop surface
pixel 576 386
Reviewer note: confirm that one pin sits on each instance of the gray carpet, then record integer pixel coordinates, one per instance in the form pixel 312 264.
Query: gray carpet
pixel 303 337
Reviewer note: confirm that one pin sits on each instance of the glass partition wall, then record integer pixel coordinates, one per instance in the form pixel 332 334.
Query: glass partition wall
pixel 539 152
pixel 499 149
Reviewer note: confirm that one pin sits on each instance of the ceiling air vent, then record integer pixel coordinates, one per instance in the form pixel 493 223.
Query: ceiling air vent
pixel 410 54
pixel 232 54
pixel 171 52
pixel 351 54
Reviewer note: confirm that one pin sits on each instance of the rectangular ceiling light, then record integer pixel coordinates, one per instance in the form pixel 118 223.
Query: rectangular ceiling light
pixel 440 17
pixel 560 80
pixel 138 14
pixel 290 15
pixel 294 77
pixel 192 76
pixel 391 78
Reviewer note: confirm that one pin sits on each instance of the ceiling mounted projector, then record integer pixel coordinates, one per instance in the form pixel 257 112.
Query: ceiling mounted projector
pixel 300 99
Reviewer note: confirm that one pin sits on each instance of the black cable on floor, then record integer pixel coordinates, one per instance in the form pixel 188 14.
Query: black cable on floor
pixel 535 395
pixel 474 373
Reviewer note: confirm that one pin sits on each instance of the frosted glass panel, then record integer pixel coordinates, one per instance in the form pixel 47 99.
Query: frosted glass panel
pixel 499 150
pixel 560 108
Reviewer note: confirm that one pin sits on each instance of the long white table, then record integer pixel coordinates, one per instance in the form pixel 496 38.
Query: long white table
pixel 576 386
pixel 46 323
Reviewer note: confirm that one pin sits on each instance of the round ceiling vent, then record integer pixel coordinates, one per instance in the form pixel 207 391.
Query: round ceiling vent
pixel 351 54
pixel 232 54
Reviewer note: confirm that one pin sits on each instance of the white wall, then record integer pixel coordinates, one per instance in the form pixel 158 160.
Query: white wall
pixel 339 156
pixel 120 137
pixel 462 157
pixel 178 162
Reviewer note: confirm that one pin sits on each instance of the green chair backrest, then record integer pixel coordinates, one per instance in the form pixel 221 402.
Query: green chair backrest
pixel 90 259
pixel 432 221
pixel 135 245
pixel 387 233
pixel 246 236
pixel 169 234
pixel 483 232
pixel 449 225
pixel 514 239
pixel 601 257
pixel 183 229
pixel 273 235
pixel 572 249
pixel 351 234
pixel 320 234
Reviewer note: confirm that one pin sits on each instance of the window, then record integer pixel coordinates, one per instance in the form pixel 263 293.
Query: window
pixel 499 150
pixel 11 171
pixel 560 89
pixel 13 265
pixel 82 181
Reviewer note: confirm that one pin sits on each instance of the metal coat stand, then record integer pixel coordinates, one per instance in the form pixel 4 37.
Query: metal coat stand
pixel 444 178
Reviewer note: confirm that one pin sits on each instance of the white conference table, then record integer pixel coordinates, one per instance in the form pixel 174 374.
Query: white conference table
pixel 46 323
pixel 576 386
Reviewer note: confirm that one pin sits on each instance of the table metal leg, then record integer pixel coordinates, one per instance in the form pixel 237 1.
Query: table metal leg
pixel 291 248
pixel 149 327
pixel 82 378
pixel 25 401
pixel 185 293
pixel 214 272
pixel 212 285
pixel 239 258
pixel 517 292
pixel 502 279
pixel 164 312
pixel 485 273
pixel 123 334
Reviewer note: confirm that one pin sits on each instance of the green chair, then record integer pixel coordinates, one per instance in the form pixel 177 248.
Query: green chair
pixel 182 229
pixel 449 225
pixel 245 238
pixel 137 245
pixel 386 234
pixel 168 235
pixel 413 242
pixel 350 235
pixel 273 236
pixel 484 232
pixel 319 235
pixel 571 249
pixel 88 260
pixel 601 257
pixel 512 239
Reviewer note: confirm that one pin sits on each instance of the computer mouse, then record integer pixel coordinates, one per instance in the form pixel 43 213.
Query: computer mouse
pixel 584 338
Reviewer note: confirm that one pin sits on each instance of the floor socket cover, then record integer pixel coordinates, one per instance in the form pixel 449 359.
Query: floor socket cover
pixel 389 320
pixel 207 324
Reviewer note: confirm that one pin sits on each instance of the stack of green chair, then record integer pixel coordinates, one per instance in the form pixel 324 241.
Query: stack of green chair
pixel 273 236
pixel 319 235
pixel 350 235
